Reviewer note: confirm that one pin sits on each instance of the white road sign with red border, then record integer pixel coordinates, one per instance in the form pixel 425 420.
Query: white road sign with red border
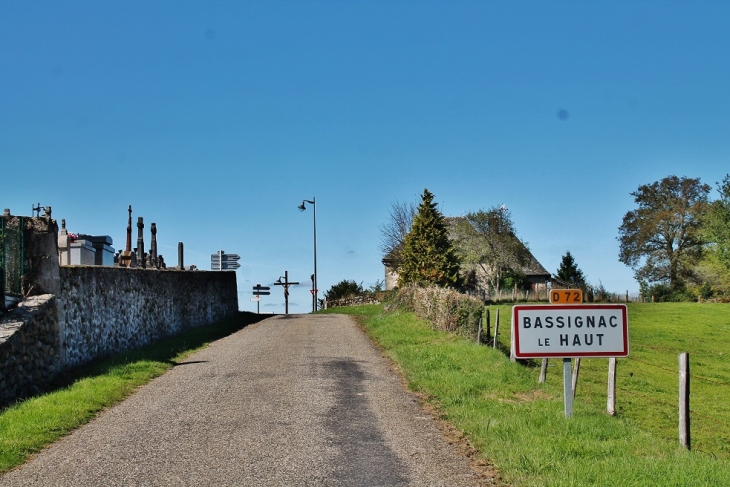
pixel 581 330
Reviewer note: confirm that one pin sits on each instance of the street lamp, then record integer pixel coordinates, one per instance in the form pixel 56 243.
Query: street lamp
pixel 315 291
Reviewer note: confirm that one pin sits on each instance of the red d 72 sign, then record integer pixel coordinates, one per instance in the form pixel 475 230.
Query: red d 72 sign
pixel 582 330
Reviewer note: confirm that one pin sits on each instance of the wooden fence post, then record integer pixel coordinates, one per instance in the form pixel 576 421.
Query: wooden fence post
pixel 489 331
pixel 611 404
pixel 479 332
pixel 684 436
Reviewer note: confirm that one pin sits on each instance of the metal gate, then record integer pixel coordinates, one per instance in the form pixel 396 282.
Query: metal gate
pixel 12 259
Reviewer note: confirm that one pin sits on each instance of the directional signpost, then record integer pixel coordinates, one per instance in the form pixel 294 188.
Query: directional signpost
pixel 258 291
pixel 224 262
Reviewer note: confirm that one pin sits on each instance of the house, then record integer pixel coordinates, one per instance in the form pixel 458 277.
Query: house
pixel 477 281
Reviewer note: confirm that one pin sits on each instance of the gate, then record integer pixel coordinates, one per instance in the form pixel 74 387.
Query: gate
pixel 12 259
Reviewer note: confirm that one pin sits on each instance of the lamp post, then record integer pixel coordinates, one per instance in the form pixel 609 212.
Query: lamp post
pixel 315 291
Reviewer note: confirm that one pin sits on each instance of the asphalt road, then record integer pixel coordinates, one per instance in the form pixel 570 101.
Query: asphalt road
pixel 294 400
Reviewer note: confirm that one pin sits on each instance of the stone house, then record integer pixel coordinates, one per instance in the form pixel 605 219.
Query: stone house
pixel 477 280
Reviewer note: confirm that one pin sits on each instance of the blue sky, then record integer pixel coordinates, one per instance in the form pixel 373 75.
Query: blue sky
pixel 216 119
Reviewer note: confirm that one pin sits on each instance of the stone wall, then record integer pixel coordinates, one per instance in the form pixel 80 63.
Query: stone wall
pixel 29 347
pixel 101 311
pixel 374 298
pixel 106 310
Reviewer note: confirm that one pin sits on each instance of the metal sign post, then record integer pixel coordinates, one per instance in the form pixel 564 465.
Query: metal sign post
pixel 567 388
pixel 258 291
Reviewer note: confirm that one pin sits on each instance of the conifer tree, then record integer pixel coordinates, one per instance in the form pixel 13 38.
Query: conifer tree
pixel 428 256
pixel 569 272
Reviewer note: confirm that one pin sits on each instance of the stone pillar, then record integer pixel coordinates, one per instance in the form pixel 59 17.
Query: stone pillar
pixel 126 256
pixel 64 257
pixel 153 247
pixel 140 242
pixel 129 231
pixel 180 264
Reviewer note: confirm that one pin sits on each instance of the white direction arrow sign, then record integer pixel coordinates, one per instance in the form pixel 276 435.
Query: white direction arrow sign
pixel 224 262
pixel 581 330
pixel 226 257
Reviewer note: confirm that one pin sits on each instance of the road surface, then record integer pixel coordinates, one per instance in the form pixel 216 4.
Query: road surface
pixel 297 400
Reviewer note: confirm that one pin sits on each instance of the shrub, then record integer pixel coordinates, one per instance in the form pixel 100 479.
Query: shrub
pixel 344 289
pixel 445 309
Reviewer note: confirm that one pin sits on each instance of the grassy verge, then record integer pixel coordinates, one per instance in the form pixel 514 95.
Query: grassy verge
pixel 30 425
pixel 519 425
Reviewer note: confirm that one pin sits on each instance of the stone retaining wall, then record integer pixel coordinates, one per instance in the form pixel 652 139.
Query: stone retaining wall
pixel 353 301
pixel 106 310
pixel 101 311
pixel 29 347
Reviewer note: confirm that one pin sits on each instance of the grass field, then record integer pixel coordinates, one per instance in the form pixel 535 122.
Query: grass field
pixel 519 424
pixel 30 425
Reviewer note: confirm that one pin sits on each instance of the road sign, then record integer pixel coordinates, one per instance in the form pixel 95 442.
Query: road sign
pixel 259 290
pixel 221 261
pixel 256 298
pixel 591 330
pixel 224 257
pixel 566 296
pixel 227 266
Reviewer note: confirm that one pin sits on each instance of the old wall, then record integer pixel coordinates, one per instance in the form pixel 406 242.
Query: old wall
pixel 100 311
pixel 106 310
pixel 29 347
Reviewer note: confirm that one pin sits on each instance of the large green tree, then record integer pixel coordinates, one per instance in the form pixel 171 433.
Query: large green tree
pixel 569 272
pixel 714 270
pixel 662 240
pixel 428 256
pixel 717 223
pixel 487 241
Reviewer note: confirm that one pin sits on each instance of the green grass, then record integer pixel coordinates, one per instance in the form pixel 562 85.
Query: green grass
pixel 30 425
pixel 519 425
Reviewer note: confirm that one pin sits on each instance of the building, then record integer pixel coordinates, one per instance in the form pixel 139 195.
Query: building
pixel 477 279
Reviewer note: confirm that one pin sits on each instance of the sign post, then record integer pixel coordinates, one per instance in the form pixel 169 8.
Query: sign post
pixel 570 331
pixel 258 291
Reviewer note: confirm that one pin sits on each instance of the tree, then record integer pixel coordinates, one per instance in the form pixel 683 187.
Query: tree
pixel 569 272
pixel 487 240
pixel 343 289
pixel 428 256
pixel 662 239
pixel 393 233
pixel 717 223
